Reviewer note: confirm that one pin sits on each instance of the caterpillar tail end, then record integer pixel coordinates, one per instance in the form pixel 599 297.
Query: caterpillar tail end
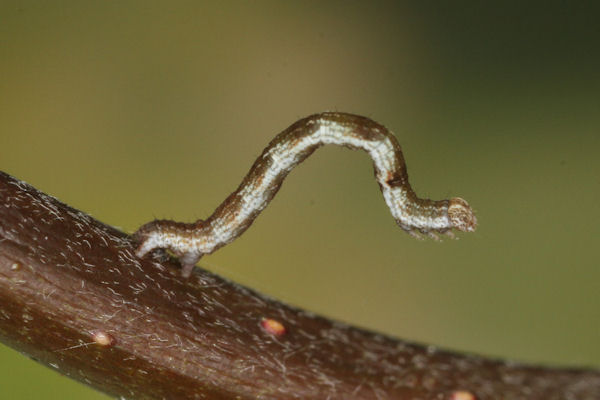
pixel 163 235
pixel 145 238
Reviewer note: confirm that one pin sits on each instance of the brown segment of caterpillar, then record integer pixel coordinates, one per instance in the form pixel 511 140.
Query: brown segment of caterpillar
pixel 189 242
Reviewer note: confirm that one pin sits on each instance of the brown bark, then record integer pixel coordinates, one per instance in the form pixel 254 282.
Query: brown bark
pixel 74 297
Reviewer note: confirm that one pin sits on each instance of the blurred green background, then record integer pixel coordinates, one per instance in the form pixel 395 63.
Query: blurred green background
pixel 136 110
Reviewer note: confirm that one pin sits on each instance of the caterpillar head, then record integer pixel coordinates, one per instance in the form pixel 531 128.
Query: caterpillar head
pixel 461 215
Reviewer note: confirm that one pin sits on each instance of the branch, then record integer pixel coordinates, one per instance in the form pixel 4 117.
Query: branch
pixel 75 297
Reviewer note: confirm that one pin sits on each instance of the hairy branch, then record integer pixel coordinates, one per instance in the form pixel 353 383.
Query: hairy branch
pixel 75 297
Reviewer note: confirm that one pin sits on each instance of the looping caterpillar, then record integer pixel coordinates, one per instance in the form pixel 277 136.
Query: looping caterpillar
pixel 189 242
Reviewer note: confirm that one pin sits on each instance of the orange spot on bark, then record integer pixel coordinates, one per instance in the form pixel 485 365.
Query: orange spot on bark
pixel 273 327
pixel 103 338
pixel 462 395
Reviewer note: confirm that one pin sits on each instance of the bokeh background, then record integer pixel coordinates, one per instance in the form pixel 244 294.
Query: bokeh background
pixel 136 110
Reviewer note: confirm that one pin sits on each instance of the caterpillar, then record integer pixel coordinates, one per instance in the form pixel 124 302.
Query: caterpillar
pixel 190 241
